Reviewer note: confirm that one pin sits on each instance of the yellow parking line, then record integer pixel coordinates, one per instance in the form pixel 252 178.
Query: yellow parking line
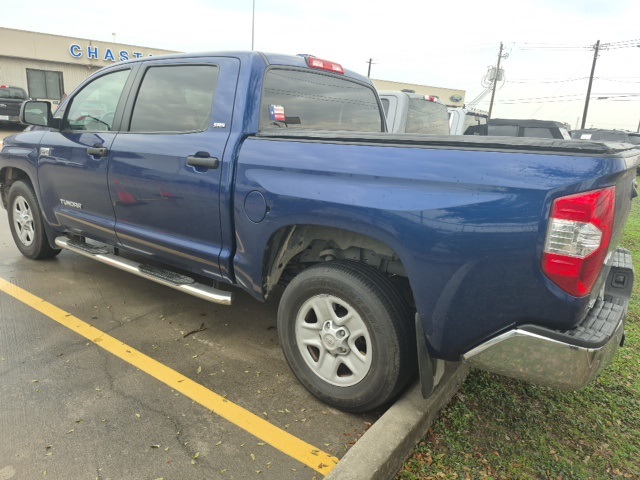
pixel 292 446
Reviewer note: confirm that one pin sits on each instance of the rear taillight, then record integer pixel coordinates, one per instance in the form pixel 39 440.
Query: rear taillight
pixel 578 239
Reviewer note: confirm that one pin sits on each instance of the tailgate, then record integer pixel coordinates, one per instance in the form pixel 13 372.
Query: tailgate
pixel 9 108
pixel 626 191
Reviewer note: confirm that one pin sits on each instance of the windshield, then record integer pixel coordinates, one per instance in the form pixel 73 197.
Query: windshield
pixel 13 92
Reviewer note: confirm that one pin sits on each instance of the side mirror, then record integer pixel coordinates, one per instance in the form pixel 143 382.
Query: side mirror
pixel 36 112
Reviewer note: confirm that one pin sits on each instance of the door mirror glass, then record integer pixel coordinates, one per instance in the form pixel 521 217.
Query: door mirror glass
pixel 36 113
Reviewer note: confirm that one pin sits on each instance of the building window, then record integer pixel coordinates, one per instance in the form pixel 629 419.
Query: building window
pixel 45 84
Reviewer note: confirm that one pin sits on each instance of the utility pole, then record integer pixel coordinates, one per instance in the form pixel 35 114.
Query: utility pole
pixel 253 22
pixel 495 81
pixel 370 62
pixel 593 69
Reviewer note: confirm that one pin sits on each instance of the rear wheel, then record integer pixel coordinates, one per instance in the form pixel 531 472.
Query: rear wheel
pixel 26 224
pixel 346 333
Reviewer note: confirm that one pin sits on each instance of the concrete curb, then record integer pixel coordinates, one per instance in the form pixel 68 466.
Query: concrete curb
pixel 381 451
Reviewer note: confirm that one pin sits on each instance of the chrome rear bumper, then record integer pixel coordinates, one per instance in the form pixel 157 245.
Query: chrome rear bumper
pixel 567 360
pixel 543 360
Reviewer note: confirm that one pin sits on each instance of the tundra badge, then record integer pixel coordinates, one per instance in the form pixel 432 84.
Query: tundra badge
pixel 69 203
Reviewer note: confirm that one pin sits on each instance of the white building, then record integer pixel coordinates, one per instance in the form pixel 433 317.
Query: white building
pixel 46 66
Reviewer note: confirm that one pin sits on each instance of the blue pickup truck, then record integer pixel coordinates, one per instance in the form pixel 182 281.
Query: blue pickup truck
pixel 388 253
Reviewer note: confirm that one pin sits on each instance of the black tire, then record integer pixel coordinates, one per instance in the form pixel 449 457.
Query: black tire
pixel 26 223
pixel 360 353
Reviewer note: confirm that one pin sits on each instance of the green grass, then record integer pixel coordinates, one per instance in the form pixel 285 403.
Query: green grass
pixel 500 428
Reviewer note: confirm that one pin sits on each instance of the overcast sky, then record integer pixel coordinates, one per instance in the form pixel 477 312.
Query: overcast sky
pixel 441 43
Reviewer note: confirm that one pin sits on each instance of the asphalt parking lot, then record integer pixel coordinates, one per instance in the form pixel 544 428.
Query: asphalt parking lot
pixel 142 407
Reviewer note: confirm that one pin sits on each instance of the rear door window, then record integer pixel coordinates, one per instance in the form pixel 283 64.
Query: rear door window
pixel 176 98
pixel 297 99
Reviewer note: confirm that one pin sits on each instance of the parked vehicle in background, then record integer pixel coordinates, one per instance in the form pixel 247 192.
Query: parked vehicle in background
pixel 389 253
pixel 514 127
pixel 466 121
pixel 409 112
pixel 603 135
pixel 11 98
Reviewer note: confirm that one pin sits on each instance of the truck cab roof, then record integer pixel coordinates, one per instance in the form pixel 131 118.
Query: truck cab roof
pixel 251 56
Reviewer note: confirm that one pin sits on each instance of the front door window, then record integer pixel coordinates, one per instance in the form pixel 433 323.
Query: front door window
pixel 93 108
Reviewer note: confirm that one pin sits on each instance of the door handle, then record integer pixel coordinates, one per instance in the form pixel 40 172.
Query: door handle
pixel 207 162
pixel 98 151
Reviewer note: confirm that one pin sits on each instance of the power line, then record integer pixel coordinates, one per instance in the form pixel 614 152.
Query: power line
pixel 560 85
pixel 564 80
pixel 548 46
pixel 630 98
pixel 525 46
pixel 574 79
pixel 525 102
pixel 558 98
pixel 621 44
pixel 570 98
pixel 542 44
pixel 623 94
pixel 454 53
pixel 556 49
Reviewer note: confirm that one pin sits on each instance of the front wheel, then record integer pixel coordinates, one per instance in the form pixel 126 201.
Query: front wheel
pixel 26 223
pixel 346 333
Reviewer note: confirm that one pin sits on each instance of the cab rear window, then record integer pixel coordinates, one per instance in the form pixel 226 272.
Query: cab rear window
pixel 13 92
pixel 303 100
pixel 427 117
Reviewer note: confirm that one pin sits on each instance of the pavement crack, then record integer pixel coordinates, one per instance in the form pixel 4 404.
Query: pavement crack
pixel 201 329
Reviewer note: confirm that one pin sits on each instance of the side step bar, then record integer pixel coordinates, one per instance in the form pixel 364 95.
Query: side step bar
pixel 163 277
